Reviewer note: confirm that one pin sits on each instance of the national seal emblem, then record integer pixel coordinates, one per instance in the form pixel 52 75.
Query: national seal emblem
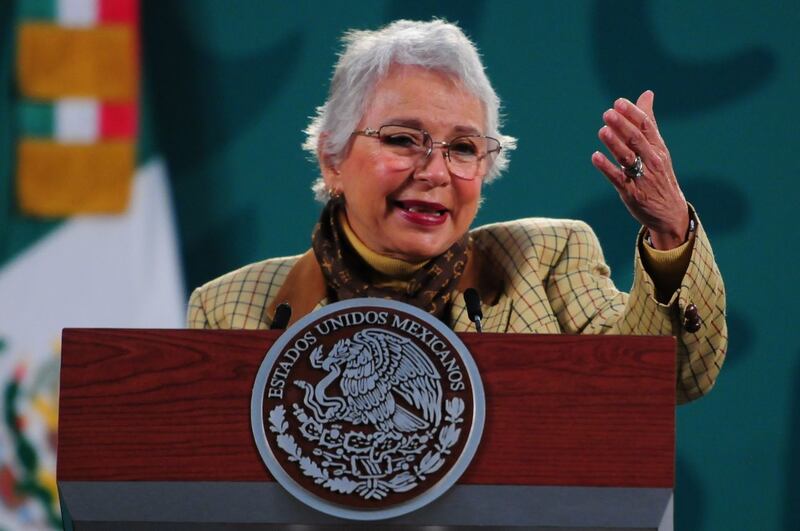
pixel 367 409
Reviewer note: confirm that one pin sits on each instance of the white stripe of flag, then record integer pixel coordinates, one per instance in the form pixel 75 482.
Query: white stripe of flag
pixel 77 13
pixel 77 120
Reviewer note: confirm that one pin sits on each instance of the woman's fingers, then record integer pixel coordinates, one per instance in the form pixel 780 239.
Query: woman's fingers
pixel 624 155
pixel 641 115
pixel 645 103
pixel 612 172
pixel 630 135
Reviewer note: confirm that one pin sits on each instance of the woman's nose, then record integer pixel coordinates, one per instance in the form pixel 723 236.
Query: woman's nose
pixel 433 168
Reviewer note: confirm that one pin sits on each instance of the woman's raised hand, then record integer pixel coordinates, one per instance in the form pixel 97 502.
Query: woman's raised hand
pixel 653 197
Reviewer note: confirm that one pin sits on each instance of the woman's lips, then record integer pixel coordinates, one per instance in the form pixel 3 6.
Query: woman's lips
pixel 422 212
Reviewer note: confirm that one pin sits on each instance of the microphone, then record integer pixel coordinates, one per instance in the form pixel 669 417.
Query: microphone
pixel 282 315
pixel 474 307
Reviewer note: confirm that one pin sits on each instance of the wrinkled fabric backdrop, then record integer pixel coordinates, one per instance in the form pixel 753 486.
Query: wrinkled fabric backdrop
pixel 229 87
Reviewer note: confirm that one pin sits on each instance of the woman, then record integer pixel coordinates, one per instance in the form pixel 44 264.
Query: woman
pixel 407 138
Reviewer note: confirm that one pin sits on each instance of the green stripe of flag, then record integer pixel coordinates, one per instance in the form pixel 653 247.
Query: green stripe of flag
pixel 17 231
pixel 36 10
pixel 35 119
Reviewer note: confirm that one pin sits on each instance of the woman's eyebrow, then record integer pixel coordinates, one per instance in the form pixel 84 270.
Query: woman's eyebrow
pixel 466 129
pixel 416 123
pixel 409 122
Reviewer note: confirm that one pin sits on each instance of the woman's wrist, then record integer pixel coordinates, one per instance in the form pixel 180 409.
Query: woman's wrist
pixel 665 241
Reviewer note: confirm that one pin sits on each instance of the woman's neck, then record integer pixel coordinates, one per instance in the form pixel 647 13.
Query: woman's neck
pixel 391 267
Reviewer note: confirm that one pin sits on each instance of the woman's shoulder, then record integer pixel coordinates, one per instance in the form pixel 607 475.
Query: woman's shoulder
pixel 237 299
pixel 538 243
pixel 532 232
pixel 266 272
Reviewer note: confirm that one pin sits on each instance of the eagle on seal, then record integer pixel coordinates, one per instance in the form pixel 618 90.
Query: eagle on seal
pixel 385 381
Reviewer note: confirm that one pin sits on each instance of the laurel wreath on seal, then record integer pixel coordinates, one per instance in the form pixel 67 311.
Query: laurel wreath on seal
pixel 372 488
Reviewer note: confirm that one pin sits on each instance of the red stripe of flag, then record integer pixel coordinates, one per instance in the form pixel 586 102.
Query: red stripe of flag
pixel 118 12
pixel 118 120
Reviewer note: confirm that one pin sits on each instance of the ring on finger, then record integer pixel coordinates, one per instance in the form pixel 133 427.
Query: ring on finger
pixel 635 170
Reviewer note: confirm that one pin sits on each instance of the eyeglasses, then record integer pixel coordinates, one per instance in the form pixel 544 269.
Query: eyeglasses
pixel 467 156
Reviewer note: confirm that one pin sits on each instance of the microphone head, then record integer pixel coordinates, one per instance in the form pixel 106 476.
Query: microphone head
pixel 282 315
pixel 473 301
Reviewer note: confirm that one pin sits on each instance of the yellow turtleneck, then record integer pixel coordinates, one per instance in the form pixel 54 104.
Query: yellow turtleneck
pixel 387 271
pixel 667 268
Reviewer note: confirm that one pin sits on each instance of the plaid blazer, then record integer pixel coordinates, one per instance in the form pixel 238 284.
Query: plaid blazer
pixel 551 278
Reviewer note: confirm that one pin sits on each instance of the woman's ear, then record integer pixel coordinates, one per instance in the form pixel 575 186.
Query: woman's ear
pixel 328 166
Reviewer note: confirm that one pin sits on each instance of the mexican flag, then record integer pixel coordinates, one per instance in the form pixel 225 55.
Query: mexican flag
pixel 87 233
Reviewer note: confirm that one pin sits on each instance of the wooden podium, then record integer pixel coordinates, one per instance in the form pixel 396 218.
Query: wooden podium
pixel 154 433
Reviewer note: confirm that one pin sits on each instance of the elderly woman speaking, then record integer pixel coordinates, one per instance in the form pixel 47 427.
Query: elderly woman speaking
pixel 407 138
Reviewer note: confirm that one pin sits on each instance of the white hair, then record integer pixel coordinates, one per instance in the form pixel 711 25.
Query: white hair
pixel 366 59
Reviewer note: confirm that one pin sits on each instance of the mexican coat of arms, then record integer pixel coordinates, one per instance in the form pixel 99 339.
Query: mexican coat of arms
pixel 367 409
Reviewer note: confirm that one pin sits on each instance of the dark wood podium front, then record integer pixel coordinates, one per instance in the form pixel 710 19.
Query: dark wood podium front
pixel 154 433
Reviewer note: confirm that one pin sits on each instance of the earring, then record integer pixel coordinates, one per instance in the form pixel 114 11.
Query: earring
pixel 335 194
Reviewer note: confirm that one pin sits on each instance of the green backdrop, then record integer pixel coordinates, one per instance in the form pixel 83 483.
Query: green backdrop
pixel 229 87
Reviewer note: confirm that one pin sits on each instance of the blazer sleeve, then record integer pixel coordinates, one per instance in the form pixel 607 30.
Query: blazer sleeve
pixel 585 300
pixel 195 313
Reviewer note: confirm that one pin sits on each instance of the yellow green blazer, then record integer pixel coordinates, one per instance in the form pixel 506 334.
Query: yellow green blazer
pixel 535 275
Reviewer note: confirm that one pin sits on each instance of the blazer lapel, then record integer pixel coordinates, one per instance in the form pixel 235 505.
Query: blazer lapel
pixel 304 289
pixel 495 305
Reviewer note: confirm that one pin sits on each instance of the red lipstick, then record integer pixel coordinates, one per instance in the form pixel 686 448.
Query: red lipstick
pixel 422 212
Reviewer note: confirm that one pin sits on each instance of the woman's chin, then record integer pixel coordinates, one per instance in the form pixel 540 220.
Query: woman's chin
pixel 418 251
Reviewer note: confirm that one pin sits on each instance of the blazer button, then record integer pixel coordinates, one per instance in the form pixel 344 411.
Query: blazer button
pixel 691 319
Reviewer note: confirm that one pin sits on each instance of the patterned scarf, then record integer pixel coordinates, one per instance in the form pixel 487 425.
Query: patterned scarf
pixel 348 275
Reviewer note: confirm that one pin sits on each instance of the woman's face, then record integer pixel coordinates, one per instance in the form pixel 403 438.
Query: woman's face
pixel 419 212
